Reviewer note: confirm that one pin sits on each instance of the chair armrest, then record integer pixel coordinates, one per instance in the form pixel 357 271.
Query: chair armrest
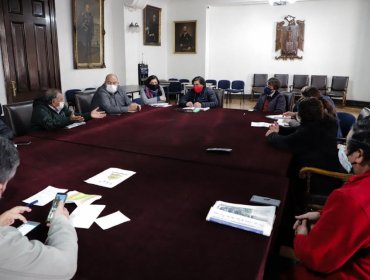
pixel 305 171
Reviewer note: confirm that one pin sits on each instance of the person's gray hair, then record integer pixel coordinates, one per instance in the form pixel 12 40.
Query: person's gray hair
pixel 9 160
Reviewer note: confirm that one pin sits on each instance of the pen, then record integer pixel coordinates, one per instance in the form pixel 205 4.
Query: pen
pixel 32 203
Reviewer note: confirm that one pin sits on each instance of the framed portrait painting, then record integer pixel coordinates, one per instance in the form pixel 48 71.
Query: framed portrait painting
pixel 88 33
pixel 185 36
pixel 152 26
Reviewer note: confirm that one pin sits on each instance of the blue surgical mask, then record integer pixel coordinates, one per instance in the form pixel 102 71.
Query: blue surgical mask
pixel 267 90
pixel 343 159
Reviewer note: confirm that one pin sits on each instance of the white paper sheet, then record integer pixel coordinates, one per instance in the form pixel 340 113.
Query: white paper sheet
pixel 260 124
pixel 110 178
pixel 84 216
pixel 112 220
pixel 45 196
pixel 27 227
pixel 73 125
pixel 195 109
pixel 80 198
pixel 277 117
pixel 162 105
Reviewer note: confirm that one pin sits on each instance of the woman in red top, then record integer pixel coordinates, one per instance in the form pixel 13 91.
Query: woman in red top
pixel 336 242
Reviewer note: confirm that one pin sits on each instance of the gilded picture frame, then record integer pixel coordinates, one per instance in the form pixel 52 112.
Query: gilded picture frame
pixel 152 26
pixel 185 36
pixel 88 33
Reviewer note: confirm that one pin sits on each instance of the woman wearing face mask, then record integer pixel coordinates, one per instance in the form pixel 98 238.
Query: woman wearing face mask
pixel 336 241
pixel 271 101
pixel 199 96
pixel 152 92
pixel 50 112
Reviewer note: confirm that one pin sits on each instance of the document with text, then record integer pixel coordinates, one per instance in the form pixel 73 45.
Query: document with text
pixel 85 215
pixel 112 220
pixel 110 177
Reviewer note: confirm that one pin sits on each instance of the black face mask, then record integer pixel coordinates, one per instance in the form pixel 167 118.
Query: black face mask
pixel 153 87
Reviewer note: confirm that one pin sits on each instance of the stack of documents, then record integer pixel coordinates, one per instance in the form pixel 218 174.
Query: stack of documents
pixel 258 219
pixel 195 109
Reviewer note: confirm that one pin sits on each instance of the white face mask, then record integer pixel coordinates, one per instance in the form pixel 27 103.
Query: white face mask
pixel 343 159
pixel 61 106
pixel 111 88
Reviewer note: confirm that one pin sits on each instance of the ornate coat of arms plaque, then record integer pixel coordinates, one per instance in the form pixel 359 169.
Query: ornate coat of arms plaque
pixel 289 38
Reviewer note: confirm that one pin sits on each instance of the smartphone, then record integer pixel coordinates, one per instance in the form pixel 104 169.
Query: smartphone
pixel 265 200
pixel 58 198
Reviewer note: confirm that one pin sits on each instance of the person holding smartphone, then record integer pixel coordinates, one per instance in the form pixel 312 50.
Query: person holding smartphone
pixel 22 258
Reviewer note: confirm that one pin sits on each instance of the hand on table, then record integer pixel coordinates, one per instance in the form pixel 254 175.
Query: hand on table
pixel 95 114
pixel 189 104
pixel 9 217
pixel 75 118
pixel 272 129
pixel 133 107
pixel 197 105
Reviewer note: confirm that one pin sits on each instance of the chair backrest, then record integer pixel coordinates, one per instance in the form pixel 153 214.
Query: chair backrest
pixel 259 80
pixel 339 83
pixel 173 79
pixel 220 96
pixel 83 102
pixel 289 98
pixel 346 120
pixel 213 82
pixel 90 88
pixel 319 82
pixel 283 78
pixel 70 96
pixel 18 117
pixel 224 84
pixel 174 87
pixel 364 114
pixel 300 81
pixel 237 84
pixel 184 81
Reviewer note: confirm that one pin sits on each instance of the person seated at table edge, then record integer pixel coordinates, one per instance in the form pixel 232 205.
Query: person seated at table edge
pixel 336 241
pixel 50 112
pixel 5 131
pixel 200 96
pixel 111 98
pixel 152 92
pixel 271 101
pixel 22 258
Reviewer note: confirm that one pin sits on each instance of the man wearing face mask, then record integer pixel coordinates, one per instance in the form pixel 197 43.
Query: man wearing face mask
pixel 50 112
pixel 152 92
pixel 199 96
pixel 271 101
pixel 111 98
pixel 337 242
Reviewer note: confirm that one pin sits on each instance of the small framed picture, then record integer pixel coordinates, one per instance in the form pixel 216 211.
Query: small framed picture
pixel 152 26
pixel 185 36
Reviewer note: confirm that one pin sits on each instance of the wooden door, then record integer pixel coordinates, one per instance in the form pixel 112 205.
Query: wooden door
pixel 29 48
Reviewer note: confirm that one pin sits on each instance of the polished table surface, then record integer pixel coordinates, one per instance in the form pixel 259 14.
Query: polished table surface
pixel 169 133
pixel 167 200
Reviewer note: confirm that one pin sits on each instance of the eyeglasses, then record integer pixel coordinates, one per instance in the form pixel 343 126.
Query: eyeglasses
pixel 111 83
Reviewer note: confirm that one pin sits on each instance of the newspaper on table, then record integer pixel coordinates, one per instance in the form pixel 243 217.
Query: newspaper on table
pixel 258 219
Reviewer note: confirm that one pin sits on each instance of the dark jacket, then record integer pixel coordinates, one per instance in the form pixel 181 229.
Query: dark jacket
pixel 111 103
pixel 5 131
pixel 207 98
pixel 313 144
pixel 277 103
pixel 45 118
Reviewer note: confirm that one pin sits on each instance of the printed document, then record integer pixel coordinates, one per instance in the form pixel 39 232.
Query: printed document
pixel 85 215
pixel 45 196
pixel 112 220
pixel 80 198
pixel 110 178
pixel 258 219
pixel 260 124
pixel 162 105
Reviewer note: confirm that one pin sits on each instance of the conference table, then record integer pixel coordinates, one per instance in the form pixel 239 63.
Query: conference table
pixel 167 200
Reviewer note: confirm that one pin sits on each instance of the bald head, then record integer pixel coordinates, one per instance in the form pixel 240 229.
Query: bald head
pixel 111 79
